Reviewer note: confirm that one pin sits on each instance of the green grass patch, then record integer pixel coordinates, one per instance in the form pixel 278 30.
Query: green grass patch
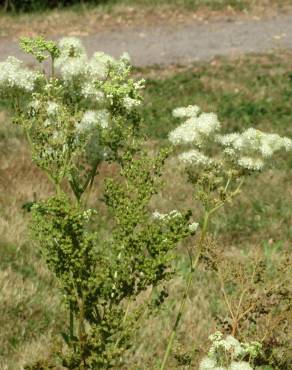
pixel 251 91
pixel 29 299
pixel 187 4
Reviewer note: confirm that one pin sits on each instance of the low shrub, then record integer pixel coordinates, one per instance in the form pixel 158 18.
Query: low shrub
pixel 35 5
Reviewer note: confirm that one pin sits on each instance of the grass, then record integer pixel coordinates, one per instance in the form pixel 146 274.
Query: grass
pixel 112 14
pixel 253 90
pixel 247 91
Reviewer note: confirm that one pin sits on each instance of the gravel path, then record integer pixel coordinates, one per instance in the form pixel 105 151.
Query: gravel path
pixel 184 44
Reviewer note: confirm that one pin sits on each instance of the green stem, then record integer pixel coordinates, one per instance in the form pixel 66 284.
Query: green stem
pixel 193 267
pixel 124 320
pixel 53 66
pixel 177 321
pixel 186 292
pixel 127 311
pixel 90 182
pixel 71 322
pixel 29 139
pixel 230 197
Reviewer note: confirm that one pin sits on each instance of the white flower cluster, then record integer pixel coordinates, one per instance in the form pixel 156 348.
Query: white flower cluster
pixel 93 119
pixel 196 129
pixel 195 157
pixel 13 75
pixel 248 150
pixel 172 214
pixel 252 147
pixel 193 227
pixel 190 111
pixel 87 214
pixel 231 350
pixel 140 85
pixel 73 62
pixel 75 66
pixel 89 91
pixel 52 108
pixel 71 47
pixel 229 344
pixel 98 65
pixel 209 364
pixel 130 103
pixel 72 67
pixel 72 59
pixel 166 216
pixel 33 107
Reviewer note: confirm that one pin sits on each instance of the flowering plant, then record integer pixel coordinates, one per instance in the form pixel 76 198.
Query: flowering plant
pixel 217 165
pixel 82 115
pixel 227 353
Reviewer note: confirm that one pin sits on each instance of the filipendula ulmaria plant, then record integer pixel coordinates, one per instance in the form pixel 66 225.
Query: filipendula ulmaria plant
pixel 78 115
pixel 257 295
pixel 217 165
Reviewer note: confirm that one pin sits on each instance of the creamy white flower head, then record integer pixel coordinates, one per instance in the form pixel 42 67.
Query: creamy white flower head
pixel 196 129
pixel 126 57
pixel 12 75
pixel 174 213
pixel 73 67
pixel 71 47
pixel 163 216
pixel 184 134
pixel 229 152
pixel 98 65
pixel 102 117
pixel 93 119
pixel 232 345
pixel 193 227
pixel 287 143
pixel 207 123
pixel 207 364
pixel 250 163
pixel 271 143
pixel 52 108
pixel 219 343
pixel 34 106
pixel 252 143
pixel 139 85
pixel 190 111
pixel 251 137
pixel 130 103
pixel 195 157
pixel 158 216
pixel 228 139
pixel 217 336
pixel 89 90
pixel 87 122
pixel 242 365
pixel 73 59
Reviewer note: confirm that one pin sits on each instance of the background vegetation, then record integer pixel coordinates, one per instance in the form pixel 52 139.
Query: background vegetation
pixel 36 5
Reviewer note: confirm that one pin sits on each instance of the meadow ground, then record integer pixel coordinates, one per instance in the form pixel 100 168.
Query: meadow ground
pixel 253 90
pixel 116 14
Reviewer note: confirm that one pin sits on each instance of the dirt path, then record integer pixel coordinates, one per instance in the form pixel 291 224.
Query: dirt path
pixel 184 44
